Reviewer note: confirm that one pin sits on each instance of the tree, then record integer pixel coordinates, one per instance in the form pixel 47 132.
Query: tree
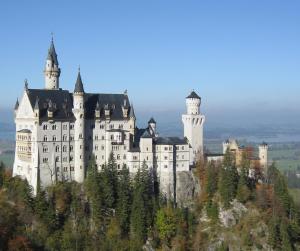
pixel 166 224
pixel 243 191
pixel 211 185
pixel 138 223
pixel 285 237
pixel 109 180
pixel 94 192
pixel 124 201
pixel 274 233
pixel 228 180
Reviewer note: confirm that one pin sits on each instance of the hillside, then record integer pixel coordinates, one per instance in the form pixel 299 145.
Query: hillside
pixel 111 211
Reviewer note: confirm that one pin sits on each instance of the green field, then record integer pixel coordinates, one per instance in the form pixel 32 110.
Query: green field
pixel 288 158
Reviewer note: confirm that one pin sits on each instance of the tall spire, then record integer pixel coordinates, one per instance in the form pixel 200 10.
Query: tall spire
pixel 131 112
pixel 17 104
pixel 52 53
pixel 79 85
pixel 52 71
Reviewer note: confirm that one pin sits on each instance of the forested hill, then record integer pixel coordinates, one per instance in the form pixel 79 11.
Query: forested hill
pixel 111 211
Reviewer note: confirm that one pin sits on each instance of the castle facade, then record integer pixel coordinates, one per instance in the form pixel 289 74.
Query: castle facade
pixel 58 132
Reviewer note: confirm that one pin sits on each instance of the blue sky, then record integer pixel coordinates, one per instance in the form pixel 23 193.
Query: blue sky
pixel 242 55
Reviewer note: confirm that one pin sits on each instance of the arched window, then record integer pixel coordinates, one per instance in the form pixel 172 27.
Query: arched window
pixel 54 138
pixel 64 148
pixel 57 149
pixel 65 137
pixel 45 138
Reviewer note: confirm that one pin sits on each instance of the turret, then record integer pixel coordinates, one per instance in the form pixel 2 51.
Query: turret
pixel 132 119
pixel 97 111
pixel 226 145
pixel 36 108
pixel 193 122
pixel 263 155
pixel 193 102
pixel 52 71
pixel 16 106
pixel 152 126
pixel 79 137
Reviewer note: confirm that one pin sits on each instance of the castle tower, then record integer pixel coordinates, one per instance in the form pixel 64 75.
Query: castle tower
pixel 263 155
pixel 226 145
pixel 79 137
pixel 193 124
pixel 52 71
pixel 152 126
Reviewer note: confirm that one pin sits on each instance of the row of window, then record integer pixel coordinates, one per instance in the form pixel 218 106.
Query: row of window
pixel 23 148
pixel 54 127
pixel 23 137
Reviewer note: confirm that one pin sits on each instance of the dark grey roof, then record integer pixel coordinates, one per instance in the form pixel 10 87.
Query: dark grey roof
pixel 78 84
pixel 131 111
pixel 146 134
pixel 113 101
pixel 264 144
pixel 24 131
pixel 52 53
pixel 170 141
pixel 17 104
pixel 152 121
pixel 193 95
pixel 62 103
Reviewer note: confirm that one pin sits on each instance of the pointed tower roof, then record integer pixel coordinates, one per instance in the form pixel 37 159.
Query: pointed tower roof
pixel 131 112
pixel 52 53
pixel 26 85
pixel 17 104
pixel 193 95
pixel 36 105
pixel 152 121
pixel 97 106
pixel 79 84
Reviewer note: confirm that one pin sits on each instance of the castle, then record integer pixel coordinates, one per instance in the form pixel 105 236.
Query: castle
pixel 58 132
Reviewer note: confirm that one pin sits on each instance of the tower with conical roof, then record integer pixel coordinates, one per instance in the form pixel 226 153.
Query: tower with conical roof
pixel 193 122
pixel 52 71
pixel 79 127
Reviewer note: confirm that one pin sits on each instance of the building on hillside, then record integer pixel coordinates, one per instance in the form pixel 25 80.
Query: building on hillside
pixel 58 132
pixel 232 145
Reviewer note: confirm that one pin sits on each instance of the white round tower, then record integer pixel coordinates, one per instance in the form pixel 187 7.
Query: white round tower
pixel 52 71
pixel 79 127
pixel 193 124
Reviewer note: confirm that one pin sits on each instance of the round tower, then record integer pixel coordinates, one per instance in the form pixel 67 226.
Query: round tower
pixel 52 71
pixel 79 127
pixel 263 155
pixel 193 122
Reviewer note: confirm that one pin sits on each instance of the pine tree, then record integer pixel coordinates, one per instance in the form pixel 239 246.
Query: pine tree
pixel 227 183
pixel 211 181
pixel 124 201
pixel 109 180
pixel 285 237
pixel 94 192
pixel 138 222
pixel 274 233
pixel 243 191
